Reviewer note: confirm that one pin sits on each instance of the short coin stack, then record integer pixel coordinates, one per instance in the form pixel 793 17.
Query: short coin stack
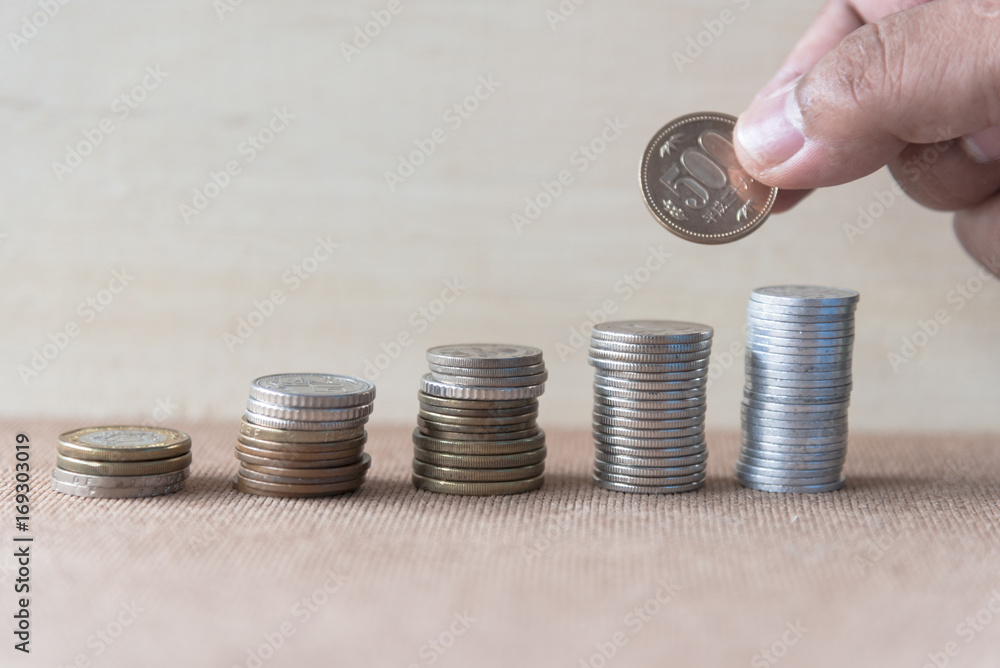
pixel 476 429
pixel 798 388
pixel 649 405
pixel 303 435
pixel 121 462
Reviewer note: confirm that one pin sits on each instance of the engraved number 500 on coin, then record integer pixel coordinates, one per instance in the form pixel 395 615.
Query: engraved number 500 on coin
pixel 694 185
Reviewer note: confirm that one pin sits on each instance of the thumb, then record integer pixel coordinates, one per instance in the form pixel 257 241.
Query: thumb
pixel 918 76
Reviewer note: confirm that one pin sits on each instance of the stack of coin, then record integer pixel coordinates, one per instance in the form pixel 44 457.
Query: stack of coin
pixel 798 387
pixel 649 405
pixel 476 431
pixel 303 435
pixel 121 462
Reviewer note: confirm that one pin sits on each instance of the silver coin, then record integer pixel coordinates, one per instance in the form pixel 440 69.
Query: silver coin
pixel 786 395
pixel 805 295
pixel 797 372
pixel 312 390
pixel 465 447
pixel 782 476
pixel 430 386
pixel 647 489
pixel 117 481
pixel 606 450
pixel 791 465
pixel 792 416
pixel 649 415
pixel 651 331
pixel 500 372
pixel 606 430
pixel 783 384
pixel 766 407
pixel 301 425
pixel 649 471
pixel 826 362
pixel 648 358
pixel 652 382
pixel 801 312
pixel 521 411
pixel 484 355
pixel 648 395
pixel 308 414
pixel 491 382
pixel 798 476
pixel 775 324
pixel 646 369
pixel 648 481
pixel 760 456
pixel 792 489
pixel 759 434
pixel 650 405
pixel 654 348
pixel 796 445
pixel 799 336
pixel 658 447
pixel 757 336
pixel 785 349
pixel 640 425
pixel 480 461
pixel 92 492
pixel 652 460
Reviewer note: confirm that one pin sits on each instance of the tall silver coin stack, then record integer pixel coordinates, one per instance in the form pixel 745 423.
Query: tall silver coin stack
pixel 303 435
pixel 476 432
pixel 649 405
pixel 798 388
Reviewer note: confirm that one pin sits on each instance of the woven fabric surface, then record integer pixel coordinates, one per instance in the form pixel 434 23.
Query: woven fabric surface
pixel 901 568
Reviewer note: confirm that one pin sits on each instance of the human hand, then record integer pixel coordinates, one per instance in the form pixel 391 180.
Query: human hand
pixel 911 84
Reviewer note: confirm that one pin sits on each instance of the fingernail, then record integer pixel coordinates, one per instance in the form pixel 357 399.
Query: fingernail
pixel 983 146
pixel 770 130
pixel 781 78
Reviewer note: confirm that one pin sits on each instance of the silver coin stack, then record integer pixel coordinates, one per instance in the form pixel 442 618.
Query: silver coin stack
pixel 303 435
pixel 476 432
pixel 649 405
pixel 798 388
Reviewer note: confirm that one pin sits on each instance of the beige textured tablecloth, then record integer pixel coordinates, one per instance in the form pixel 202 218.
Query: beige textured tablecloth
pixel 901 568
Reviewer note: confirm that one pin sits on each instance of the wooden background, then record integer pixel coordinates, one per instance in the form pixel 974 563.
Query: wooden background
pixel 157 351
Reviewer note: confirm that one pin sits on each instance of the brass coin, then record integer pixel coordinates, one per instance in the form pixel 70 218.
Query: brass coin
pixel 477 475
pixel 153 467
pixel 465 436
pixel 480 461
pixel 476 404
pixel 466 447
pixel 695 187
pixel 487 413
pixel 295 436
pixel 285 490
pixel 461 427
pixel 123 443
pixel 480 421
pixel 329 448
pixel 477 488
pixel 348 471
pixel 256 460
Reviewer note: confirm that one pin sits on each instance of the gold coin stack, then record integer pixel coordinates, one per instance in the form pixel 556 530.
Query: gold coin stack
pixel 303 435
pixel 477 433
pixel 119 462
